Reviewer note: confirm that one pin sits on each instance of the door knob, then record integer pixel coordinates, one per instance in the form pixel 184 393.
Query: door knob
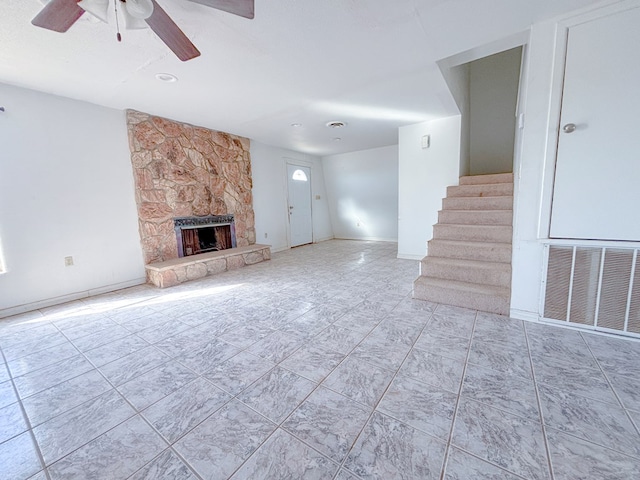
pixel 569 128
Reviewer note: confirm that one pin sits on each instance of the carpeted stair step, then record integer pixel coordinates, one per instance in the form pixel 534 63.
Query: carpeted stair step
pixel 503 202
pixel 490 190
pixel 485 252
pixel 484 179
pixel 475 217
pixel 486 298
pixel 473 233
pixel 472 271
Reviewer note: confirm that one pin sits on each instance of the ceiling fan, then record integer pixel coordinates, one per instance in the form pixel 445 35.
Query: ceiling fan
pixel 60 15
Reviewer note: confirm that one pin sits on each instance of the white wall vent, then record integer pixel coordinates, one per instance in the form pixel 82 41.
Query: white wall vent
pixel 594 287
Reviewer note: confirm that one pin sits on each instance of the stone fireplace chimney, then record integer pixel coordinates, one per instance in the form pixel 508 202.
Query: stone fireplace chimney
pixel 181 170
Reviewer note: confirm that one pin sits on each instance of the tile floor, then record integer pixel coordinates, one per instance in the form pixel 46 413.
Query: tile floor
pixel 315 365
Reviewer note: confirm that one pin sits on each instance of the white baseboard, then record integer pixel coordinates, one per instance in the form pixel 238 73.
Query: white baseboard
pixel 369 239
pixel 117 286
pixel 407 256
pixel 318 240
pixel 524 315
pixel 49 302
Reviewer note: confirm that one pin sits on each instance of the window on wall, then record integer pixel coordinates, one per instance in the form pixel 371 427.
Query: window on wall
pixel 299 175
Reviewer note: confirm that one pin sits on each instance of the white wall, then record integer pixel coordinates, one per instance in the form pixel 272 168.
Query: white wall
pixel 66 189
pixel 493 93
pixel 529 173
pixel 457 79
pixel 362 189
pixel 535 162
pixel 268 166
pixel 424 175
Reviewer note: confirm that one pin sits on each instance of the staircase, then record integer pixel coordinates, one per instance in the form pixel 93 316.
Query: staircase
pixel 468 262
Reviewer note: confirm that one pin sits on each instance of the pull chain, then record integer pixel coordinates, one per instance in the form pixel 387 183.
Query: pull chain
pixel 115 7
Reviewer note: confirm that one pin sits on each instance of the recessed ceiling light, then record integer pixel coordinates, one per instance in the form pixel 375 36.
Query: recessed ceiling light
pixel 337 139
pixel 166 77
pixel 336 124
pixel 296 125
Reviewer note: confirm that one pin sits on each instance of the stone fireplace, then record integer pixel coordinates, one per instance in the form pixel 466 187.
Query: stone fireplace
pixel 213 233
pixel 181 170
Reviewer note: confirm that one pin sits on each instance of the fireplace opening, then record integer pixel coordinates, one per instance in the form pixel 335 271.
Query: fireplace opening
pixel 196 235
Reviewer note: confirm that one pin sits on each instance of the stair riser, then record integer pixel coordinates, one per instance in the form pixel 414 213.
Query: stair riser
pixel 448 296
pixel 492 190
pixel 478 203
pixel 471 217
pixel 481 252
pixel 484 179
pixel 497 274
pixel 477 233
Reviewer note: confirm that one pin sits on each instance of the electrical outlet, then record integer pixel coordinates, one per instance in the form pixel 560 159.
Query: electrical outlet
pixel 68 261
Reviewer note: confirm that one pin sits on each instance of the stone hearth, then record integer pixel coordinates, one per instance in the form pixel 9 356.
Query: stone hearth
pixel 173 272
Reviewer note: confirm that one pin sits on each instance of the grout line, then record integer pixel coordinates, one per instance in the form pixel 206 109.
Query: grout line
pixel 139 414
pixel 539 403
pixel 445 460
pixel 278 426
pixel 379 259
pixel 374 408
pixel 317 387
pixel 113 387
pixel 26 420
pixel 490 463
pixel 611 386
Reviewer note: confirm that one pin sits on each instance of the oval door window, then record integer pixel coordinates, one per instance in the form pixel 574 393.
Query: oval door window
pixel 299 175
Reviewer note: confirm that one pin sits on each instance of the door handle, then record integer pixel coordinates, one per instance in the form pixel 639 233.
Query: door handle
pixel 569 128
pixel 290 207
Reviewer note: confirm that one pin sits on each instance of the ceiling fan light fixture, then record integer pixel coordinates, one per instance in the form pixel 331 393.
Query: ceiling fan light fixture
pixel 140 9
pixel 131 22
pixel 97 8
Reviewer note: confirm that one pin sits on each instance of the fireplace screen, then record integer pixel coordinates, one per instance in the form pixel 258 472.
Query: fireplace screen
pixel 204 234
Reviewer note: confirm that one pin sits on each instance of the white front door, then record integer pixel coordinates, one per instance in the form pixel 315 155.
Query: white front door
pixel 597 179
pixel 299 187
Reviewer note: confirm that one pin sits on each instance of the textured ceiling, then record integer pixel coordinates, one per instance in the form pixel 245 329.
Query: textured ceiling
pixel 370 63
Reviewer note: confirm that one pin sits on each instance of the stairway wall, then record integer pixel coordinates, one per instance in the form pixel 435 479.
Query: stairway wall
pixel 424 174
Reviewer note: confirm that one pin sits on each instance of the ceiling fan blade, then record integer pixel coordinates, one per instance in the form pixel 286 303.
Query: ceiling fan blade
pixel 58 15
pixel 170 34
pixel 243 8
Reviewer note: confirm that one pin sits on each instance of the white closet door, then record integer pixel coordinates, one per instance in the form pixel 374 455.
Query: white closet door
pixel 597 179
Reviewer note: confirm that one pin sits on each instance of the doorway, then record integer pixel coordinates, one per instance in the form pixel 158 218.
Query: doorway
pixel 494 82
pixel 299 204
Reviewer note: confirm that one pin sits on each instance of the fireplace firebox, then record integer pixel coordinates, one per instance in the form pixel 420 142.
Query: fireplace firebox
pixel 204 234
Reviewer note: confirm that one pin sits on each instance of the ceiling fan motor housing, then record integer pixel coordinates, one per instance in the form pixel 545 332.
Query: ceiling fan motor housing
pixel 60 15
